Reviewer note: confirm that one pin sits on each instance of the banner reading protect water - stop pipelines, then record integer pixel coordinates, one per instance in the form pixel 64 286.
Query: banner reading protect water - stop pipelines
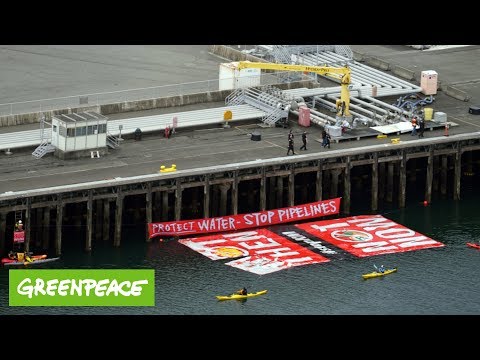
pixel 245 221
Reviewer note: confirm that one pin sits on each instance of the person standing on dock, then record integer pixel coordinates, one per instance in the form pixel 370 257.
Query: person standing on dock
pixel 325 139
pixel 414 126
pixel 421 123
pixel 290 135
pixel 304 140
pixel 290 146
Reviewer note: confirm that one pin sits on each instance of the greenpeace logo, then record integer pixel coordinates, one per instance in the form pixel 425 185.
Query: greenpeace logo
pixel 81 287
pixel 87 287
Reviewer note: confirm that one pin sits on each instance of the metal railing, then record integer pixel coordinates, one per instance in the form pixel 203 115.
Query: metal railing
pixel 95 99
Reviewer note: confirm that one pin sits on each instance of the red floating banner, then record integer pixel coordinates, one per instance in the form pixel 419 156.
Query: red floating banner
pixel 262 251
pixel 368 235
pixel 245 221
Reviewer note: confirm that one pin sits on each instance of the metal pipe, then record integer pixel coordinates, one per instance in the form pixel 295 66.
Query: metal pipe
pixel 360 72
pixel 379 109
pixel 382 103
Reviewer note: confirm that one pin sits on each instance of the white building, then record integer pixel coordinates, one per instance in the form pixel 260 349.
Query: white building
pixel 230 77
pixel 77 135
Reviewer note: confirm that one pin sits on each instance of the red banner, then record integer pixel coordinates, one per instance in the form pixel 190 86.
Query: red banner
pixel 245 221
pixel 18 237
pixel 262 251
pixel 368 235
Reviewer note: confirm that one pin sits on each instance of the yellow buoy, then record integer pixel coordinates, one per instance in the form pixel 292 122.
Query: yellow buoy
pixel 169 169
pixel 227 115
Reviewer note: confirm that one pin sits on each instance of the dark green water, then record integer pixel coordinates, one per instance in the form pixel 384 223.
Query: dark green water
pixel 432 281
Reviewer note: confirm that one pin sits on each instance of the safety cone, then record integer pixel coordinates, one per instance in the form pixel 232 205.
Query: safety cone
pixel 446 129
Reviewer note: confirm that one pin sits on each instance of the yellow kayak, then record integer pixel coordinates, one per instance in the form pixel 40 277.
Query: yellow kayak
pixel 239 297
pixel 377 274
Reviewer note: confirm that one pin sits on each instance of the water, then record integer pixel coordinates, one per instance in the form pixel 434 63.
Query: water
pixel 431 281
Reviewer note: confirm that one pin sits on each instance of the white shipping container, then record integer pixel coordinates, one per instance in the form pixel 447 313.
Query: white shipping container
pixel 231 78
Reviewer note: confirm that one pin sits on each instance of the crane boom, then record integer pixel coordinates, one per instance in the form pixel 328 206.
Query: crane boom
pixel 339 73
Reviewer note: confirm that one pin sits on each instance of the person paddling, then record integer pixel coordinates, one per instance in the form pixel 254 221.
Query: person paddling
pixel 242 291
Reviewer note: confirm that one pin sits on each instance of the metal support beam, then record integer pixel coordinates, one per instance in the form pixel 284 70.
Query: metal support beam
pixel 148 208
pixel 59 221
pixel 381 180
pixel 334 182
pixel 28 224
pixel 214 200
pixel 390 172
pixel 235 193
pixel 178 200
pixel 443 175
pixel 429 181
pixel 98 219
pixel 458 173
pixel 88 240
pixel 403 180
pixel 3 228
pixel 118 219
pixel 206 198
pixel 223 198
pixel 279 191
pixel 291 186
pixel 319 182
pixel 436 169
pixel 263 190
pixel 347 187
pixel 374 203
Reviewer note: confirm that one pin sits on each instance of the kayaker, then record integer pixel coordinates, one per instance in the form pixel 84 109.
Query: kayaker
pixel 242 291
pixel 381 269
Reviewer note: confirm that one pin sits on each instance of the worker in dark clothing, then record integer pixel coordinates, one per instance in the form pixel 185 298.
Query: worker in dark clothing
pixel 290 146
pixel 421 123
pixel 290 135
pixel 325 139
pixel 304 140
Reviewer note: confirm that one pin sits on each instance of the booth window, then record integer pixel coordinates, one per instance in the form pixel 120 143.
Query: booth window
pixel 92 129
pixel 81 131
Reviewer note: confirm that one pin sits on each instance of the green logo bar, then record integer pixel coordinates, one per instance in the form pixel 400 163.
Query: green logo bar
pixel 82 287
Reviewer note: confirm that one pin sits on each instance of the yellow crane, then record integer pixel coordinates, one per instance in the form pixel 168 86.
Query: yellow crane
pixel 339 73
